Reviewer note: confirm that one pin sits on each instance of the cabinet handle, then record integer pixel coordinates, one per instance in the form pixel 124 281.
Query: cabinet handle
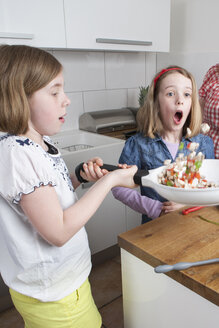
pixel 119 41
pixel 7 35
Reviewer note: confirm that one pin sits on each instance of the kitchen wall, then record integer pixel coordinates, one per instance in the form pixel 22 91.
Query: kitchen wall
pixel 194 40
pixel 110 80
pixel 103 80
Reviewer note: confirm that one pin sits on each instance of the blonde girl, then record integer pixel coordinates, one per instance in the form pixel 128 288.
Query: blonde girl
pixel 45 258
pixel 171 117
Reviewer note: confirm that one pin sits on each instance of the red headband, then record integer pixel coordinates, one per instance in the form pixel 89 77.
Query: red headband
pixel 164 71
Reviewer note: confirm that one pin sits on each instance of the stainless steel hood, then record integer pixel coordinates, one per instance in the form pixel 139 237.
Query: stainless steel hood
pixel 98 121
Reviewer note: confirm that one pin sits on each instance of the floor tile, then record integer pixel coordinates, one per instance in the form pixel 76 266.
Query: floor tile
pixel 117 259
pixel 11 319
pixel 105 282
pixel 112 314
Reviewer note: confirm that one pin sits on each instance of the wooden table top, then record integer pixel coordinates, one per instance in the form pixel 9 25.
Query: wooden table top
pixel 176 238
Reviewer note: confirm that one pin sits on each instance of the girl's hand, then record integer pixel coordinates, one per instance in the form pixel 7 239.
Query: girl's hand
pixel 124 166
pixel 92 170
pixel 170 206
pixel 124 178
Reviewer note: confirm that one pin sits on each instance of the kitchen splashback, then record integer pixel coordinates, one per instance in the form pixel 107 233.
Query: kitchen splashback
pixel 96 81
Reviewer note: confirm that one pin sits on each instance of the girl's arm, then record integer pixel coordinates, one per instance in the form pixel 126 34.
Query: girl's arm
pixel 142 204
pixel 56 225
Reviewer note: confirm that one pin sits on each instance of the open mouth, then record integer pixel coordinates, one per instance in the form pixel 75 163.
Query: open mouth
pixel 62 119
pixel 178 117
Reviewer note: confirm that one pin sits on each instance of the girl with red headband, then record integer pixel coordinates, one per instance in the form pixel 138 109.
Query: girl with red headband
pixel 171 116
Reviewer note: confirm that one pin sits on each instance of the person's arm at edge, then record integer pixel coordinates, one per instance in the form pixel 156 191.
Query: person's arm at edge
pixel 142 204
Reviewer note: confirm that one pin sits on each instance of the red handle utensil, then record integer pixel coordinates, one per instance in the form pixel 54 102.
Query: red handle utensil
pixel 191 209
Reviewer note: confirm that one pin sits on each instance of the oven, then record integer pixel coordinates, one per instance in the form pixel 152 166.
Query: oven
pixel 116 123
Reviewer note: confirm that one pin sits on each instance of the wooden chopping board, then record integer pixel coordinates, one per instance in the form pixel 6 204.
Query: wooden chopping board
pixel 176 238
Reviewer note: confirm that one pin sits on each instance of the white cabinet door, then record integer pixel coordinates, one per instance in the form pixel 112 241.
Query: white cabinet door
pixel 125 24
pixel 156 300
pixel 110 218
pixel 37 23
pixel 106 224
pixel 133 218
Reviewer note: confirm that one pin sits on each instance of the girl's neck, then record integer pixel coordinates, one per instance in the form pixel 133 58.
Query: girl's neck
pixel 36 137
pixel 174 138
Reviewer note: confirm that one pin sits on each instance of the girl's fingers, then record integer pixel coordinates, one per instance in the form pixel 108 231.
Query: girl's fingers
pixel 97 170
pixel 97 160
pixel 92 171
pixel 124 166
pixel 171 206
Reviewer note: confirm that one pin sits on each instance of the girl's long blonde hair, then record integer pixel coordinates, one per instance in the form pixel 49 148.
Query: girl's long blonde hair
pixel 23 70
pixel 148 118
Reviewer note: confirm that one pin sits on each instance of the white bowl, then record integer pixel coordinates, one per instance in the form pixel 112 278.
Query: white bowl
pixel 202 197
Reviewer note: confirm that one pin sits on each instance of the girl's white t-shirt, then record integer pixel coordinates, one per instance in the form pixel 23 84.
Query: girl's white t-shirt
pixel 28 263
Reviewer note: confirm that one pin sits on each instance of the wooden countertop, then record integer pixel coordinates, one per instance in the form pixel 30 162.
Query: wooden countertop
pixel 176 238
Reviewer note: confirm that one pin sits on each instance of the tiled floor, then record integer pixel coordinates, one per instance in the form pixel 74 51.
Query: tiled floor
pixel 106 286
pixel 105 281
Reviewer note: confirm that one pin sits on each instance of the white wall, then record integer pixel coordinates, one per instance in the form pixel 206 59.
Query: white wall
pixel 194 26
pixel 194 38
pixel 196 63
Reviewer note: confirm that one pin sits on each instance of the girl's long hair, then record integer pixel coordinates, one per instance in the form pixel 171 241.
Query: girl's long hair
pixel 23 70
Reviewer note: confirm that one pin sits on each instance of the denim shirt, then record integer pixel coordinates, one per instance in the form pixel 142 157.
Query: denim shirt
pixel 148 153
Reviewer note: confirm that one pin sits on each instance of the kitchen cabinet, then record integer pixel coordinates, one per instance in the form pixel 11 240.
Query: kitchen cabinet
pixel 186 298
pixel 109 220
pixel 35 23
pixel 121 25
pixel 106 224
pixel 124 25
pixel 112 217
pixel 133 218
